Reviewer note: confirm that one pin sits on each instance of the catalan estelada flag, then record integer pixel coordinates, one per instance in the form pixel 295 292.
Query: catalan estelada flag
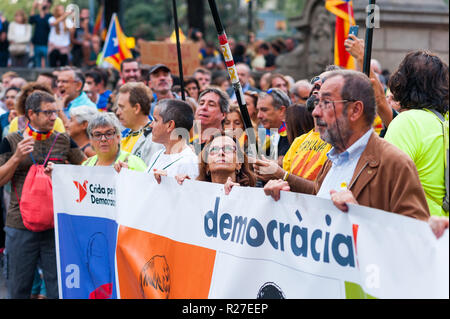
pixel 115 49
pixel 343 10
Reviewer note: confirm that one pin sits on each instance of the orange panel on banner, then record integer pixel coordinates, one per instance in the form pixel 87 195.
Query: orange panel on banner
pixel 155 267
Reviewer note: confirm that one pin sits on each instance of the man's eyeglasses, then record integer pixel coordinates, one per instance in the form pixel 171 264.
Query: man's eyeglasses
pixel 97 136
pixel 227 149
pixel 48 113
pixel 315 79
pixel 326 104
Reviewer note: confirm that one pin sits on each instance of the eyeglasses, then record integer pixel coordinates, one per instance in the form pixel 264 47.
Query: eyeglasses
pixel 48 113
pixel 326 104
pixel 97 136
pixel 227 149
pixel 315 79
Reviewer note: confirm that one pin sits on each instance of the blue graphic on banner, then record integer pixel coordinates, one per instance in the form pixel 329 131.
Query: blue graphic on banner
pixel 86 249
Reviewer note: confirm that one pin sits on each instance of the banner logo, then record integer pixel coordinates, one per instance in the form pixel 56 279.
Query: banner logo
pixel 82 190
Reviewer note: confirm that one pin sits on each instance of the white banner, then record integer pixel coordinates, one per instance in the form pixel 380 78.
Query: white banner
pixel 125 236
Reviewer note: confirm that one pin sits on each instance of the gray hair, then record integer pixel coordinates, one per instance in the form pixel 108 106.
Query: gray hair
pixel 83 113
pixel 102 119
pixel 279 98
pixel 78 75
pixel 176 110
pixel 224 100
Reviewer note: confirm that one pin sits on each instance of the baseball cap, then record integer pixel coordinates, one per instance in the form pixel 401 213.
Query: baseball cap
pixel 157 67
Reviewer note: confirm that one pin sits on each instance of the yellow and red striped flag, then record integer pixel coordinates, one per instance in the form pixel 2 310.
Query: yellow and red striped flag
pixel 343 10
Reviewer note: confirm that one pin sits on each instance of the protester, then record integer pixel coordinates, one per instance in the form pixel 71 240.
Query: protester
pixel 223 162
pixel 161 83
pixel 235 124
pixel 272 107
pixel 48 79
pixel 417 130
pixel 251 100
pixel 24 247
pixel 210 58
pixel 96 83
pixel 59 38
pixel 130 71
pixel 20 122
pixel 214 104
pixel 41 31
pixel 91 51
pixel 192 87
pixel 77 128
pixel 70 90
pixel 172 122
pixel 264 81
pixel 279 81
pixel 10 101
pixel 104 135
pixel 222 82
pixel 299 92
pixel 19 37
pixel 243 71
pixel 362 168
pixel 203 76
pixel 18 82
pixel 133 110
pixel 80 39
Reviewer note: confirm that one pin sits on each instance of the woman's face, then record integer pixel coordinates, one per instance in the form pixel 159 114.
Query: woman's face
pixel 193 91
pixel 222 155
pixel 19 18
pixel 74 128
pixel 251 107
pixel 105 140
pixel 10 99
pixel 233 121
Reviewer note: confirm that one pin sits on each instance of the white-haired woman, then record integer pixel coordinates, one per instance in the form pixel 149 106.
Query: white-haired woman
pixel 104 135
pixel 77 127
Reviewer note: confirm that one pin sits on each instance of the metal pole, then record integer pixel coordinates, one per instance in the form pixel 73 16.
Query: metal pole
pixel 180 63
pixel 369 39
pixel 232 72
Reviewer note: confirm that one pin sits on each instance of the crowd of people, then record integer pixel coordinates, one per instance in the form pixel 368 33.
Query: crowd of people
pixel 376 141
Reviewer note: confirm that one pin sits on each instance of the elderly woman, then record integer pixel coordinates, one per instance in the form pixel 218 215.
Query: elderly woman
pixel 77 127
pixel 222 161
pixel 104 135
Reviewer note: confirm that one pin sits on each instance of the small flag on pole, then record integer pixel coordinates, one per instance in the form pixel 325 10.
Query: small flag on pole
pixel 343 10
pixel 115 49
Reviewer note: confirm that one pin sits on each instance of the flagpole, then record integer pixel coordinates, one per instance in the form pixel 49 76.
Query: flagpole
pixel 107 36
pixel 232 73
pixel 180 63
pixel 368 40
pixel 349 12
